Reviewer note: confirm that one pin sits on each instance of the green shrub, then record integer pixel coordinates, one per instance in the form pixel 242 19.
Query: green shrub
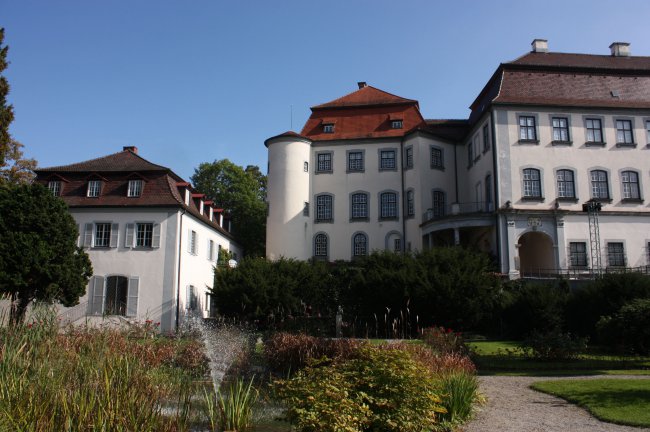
pixel 459 393
pixel 628 329
pixel 603 297
pixel 444 341
pixel 376 390
pixel 553 345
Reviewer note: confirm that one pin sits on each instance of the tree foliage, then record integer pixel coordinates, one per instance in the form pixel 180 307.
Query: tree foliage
pixel 242 193
pixel 6 110
pixel 39 256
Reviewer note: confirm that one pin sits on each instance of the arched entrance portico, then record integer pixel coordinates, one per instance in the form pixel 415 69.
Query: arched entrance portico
pixel 536 254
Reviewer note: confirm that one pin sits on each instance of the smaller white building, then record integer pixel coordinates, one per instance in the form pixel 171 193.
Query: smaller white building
pixel 152 239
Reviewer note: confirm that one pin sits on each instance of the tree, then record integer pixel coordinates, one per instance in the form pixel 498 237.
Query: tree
pixel 39 256
pixel 6 111
pixel 242 193
pixel 16 169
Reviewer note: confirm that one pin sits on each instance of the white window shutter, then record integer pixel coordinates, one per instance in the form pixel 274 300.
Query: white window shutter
pixel 196 244
pixel 128 238
pixel 155 242
pixel 188 297
pixel 96 296
pixel 132 297
pixel 189 240
pixel 78 235
pixel 209 251
pixel 88 235
pixel 115 232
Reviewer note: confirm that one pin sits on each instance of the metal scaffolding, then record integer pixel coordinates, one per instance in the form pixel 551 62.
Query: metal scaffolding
pixel 593 208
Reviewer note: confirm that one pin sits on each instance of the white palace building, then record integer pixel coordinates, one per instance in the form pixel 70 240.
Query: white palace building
pixel 549 173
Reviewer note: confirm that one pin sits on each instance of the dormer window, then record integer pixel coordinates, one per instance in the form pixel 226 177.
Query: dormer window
pixel 328 128
pixel 55 187
pixel 396 124
pixel 135 188
pixel 94 188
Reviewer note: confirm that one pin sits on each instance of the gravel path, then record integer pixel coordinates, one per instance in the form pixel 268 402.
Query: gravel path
pixel 513 407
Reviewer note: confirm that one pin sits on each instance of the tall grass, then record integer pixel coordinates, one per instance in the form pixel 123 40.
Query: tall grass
pixel 232 411
pixel 78 381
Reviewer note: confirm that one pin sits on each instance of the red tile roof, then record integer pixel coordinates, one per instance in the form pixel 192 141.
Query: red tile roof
pixel 364 97
pixel 125 160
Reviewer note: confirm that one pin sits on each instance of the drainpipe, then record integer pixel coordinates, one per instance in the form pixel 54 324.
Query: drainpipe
pixel 401 158
pixel 496 191
pixel 456 172
pixel 178 280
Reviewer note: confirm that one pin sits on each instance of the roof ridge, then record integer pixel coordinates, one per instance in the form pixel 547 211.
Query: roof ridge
pixel 340 101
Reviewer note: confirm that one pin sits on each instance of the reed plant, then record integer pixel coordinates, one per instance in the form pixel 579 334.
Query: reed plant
pixel 232 411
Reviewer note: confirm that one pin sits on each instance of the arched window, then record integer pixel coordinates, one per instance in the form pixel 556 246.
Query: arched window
pixel 599 184
pixel 320 245
pixel 565 184
pixel 359 245
pixel 631 189
pixel 532 183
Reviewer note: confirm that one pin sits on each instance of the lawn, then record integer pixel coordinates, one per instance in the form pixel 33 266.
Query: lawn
pixel 622 401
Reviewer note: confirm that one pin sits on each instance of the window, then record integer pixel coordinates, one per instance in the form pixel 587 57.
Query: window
pixel 436 158
pixel 532 183
pixel 54 187
pixel 359 245
pixel 624 132
pixel 615 254
pixel 192 246
pixel 355 161
pixel 116 295
pixel 324 162
pixel 470 154
pixel 387 161
pixel 113 295
pixel 305 209
pixel 578 254
pixel 210 250
pixel 409 157
pixel 560 129
pixel 410 203
pixel 477 148
pixel 328 128
pixel 359 206
pixel 488 193
pixel 144 235
pixel 94 188
pixel 565 184
pixel 527 130
pixel 438 204
pixel 388 205
pixel 102 234
pixel 397 245
pixel 631 189
pixel 305 166
pixel 396 124
pixel 594 131
pixel 599 185
pixel 647 130
pixel 135 188
pixel 191 302
pixel 320 245
pixel 323 208
pixel 486 139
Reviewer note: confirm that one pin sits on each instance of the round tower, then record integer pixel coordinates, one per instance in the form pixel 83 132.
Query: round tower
pixel 288 223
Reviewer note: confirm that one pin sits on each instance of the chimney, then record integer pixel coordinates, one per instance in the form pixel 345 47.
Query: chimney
pixel 539 46
pixel 620 49
pixel 362 84
pixel 132 149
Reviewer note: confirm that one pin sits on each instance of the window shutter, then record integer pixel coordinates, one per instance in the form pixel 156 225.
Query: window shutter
pixel 88 235
pixel 78 235
pixel 210 251
pixel 188 297
pixel 189 240
pixel 155 242
pixel 128 241
pixel 96 297
pixel 115 231
pixel 132 297
pixel 196 244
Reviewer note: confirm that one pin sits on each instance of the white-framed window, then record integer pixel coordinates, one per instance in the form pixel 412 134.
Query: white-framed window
pixel 355 161
pixel 328 128
pixel 527 128
pixel 396 124
pixel 578 254
pixel 560 129
pixel 113 295
pixel 486 138
pixel 324 162
pixel 565 183
pixel 320 245
pixel 142 235
pixel 94 188
pixel 324 208
pixel 631 190
pixel 409 157
pixel 532 183
pixel 135 188
pixel 359 206
pixel 624 132
pixel 397 245
pixel 210 250
pixel 615 254
pixel 388 205
pixel 410 203
pixel 191 302
pixel 101 235
pixel 359 245
pixel 387 160
pixel 594 130
pixel 193 242
pixel 438 206
pixel 599 184
pixel 437 160
pixel 55 187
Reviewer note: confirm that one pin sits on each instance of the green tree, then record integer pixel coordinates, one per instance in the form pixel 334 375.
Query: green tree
pixel 6 110
pixel 242 193
pixel 16 169
pixel 39 256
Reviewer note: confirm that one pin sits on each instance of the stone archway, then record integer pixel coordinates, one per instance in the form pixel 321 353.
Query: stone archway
pixel 536 254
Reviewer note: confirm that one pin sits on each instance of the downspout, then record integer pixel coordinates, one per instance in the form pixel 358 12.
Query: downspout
pixel 496 191
pixel 456 172
pixel 403 195
pixel 178 280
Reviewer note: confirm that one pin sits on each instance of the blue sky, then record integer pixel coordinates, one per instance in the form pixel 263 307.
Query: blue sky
pixel 193 81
